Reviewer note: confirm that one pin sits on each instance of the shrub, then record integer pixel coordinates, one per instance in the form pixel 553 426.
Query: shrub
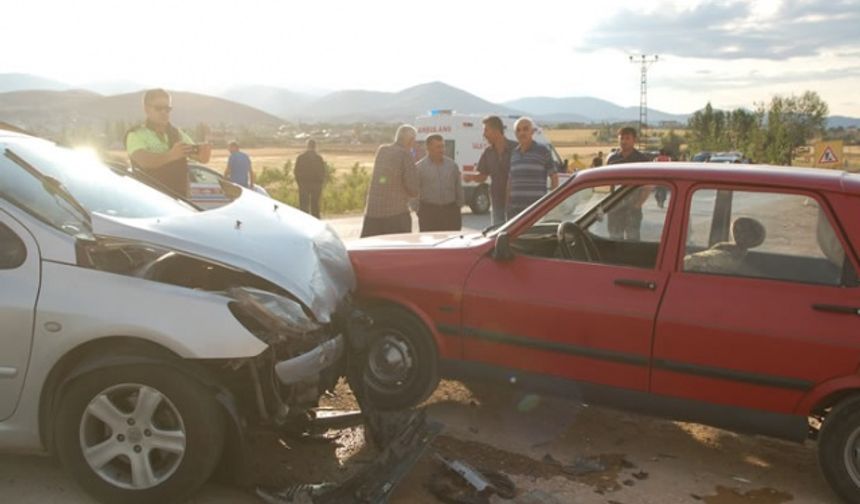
pixel 340 195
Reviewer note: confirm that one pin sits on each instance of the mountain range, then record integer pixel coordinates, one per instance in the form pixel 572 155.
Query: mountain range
pixel 30 100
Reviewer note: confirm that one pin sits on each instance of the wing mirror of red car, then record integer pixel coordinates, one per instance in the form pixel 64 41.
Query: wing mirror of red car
pixel 503 251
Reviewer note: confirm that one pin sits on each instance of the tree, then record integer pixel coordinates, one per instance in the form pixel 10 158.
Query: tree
pixel 771 134
pixel 707 129
pixel 791 122
pixel 671 143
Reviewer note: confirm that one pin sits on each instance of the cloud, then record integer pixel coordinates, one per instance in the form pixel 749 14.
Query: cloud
pixel 756 79
pixel 731 31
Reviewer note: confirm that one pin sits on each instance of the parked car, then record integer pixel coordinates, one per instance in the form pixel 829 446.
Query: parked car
pixel 701 157
pixel 143 337
pixel 205 187
pixel 735 304
pixel 728 157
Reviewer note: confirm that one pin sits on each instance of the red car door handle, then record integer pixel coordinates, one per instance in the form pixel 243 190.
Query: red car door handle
pixel 639 284
pixel 848 310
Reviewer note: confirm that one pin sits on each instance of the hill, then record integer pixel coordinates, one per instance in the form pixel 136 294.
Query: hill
pixel 405 105
pixel 273 100
pixel 585 109
pixel 843 122
pixel 54 110
pixel 26 82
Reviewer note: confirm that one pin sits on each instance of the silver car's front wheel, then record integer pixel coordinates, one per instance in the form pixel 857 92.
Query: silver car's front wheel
pixel 132 436
pixel 139 433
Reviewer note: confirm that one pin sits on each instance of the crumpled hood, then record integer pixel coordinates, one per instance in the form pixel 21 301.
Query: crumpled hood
pixel 259 235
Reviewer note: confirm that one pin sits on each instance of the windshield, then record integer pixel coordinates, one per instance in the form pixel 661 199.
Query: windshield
pixel 90 183
pixel 492 230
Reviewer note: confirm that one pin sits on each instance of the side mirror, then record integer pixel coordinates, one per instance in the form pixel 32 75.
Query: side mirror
pixel 503 250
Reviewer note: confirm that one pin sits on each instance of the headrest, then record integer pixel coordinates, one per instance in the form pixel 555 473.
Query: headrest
pixel 748 232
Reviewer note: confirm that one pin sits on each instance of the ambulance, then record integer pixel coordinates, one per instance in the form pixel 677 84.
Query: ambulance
pixel 464 143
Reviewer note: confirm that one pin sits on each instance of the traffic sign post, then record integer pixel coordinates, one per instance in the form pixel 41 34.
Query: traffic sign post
pixel 828 154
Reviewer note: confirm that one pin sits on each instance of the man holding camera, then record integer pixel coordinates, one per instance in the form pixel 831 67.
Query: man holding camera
pixel 161 149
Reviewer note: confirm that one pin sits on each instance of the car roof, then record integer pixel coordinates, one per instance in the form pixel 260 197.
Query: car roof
pixel 785 176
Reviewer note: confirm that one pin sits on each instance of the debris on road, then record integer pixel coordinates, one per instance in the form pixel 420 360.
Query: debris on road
pixel 460 483
pixel 374 483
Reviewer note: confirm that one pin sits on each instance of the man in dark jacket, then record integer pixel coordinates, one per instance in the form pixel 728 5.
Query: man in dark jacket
pixel 310 175
pixel 625 222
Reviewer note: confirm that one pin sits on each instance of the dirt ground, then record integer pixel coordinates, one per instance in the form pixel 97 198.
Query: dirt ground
pixel 548 447
pixel 545 445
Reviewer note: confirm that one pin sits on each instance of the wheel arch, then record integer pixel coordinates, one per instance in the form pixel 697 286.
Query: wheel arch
pixel 124 350
pixel 828 394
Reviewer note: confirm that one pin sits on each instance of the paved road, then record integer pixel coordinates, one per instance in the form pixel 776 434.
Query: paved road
pixel 349 228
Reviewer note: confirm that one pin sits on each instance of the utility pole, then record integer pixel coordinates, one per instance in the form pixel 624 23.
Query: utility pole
pixel 644 60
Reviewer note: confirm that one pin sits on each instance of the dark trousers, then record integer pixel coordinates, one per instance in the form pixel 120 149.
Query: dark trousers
pixel 309 198
pixel 374 226
pixel 625 223
pixel 439 217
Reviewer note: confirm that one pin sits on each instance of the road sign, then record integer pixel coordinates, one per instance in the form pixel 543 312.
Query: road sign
pixel 828 154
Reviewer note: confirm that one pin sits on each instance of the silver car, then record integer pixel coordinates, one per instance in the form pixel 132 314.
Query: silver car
pixel 205 187
pixel 141 336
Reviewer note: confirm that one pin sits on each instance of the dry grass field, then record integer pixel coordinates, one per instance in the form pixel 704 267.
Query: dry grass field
pixel 573 144
pixel 342 157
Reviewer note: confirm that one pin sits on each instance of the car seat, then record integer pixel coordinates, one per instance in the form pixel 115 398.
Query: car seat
pixel 728 257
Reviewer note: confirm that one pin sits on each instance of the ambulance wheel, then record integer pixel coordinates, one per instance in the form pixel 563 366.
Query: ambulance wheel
pixel 480 203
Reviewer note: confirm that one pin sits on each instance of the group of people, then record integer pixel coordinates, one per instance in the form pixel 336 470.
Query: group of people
pixel 518 171
pixel 397 179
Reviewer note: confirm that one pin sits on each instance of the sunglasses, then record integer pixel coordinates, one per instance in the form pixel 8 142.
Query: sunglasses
pixel 162 108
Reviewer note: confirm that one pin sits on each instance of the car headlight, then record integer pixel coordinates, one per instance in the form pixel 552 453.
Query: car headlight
pixel 276 313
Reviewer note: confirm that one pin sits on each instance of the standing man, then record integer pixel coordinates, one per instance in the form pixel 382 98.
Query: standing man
pixel 598 160
pixel 160 149
pixel 661 192
pixel 393 182
pixel 239 166
pixel 440 190
pixel 626 152
pixel 625 221
pixel 531 164
pixel 495 163
pixel 310 176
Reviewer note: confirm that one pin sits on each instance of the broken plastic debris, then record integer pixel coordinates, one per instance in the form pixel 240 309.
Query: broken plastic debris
pixel 584 465
pixel 480 484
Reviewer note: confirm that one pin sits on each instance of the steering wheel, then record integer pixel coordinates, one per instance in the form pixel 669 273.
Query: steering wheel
pixel 575 243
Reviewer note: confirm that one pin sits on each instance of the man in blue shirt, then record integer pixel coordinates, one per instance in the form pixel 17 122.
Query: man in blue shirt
pixel 531 164
pixel 239 167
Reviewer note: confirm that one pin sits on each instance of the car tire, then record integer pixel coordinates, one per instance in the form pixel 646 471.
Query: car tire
pixel 480 203
pixel 139 433
pixel 839 449
pixel 400 363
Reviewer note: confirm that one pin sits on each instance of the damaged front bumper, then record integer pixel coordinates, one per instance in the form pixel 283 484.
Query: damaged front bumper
pixel 305 358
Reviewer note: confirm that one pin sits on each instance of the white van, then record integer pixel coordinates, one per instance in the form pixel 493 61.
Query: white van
pixel 464 143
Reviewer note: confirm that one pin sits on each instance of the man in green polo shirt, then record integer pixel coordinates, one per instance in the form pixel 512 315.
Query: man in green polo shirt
pixel 161 149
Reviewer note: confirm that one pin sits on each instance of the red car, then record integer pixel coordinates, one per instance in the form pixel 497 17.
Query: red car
pixel 735 304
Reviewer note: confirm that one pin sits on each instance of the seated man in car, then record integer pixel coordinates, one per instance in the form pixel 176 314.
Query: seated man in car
pixel 728 257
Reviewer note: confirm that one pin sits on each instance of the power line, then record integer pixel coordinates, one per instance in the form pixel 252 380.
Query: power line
pixel 644 60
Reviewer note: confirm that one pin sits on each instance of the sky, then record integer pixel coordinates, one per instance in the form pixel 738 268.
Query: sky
pixel 733 54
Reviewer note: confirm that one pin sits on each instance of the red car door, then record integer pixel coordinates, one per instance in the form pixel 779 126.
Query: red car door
pixel 586 315
pixel 752 317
